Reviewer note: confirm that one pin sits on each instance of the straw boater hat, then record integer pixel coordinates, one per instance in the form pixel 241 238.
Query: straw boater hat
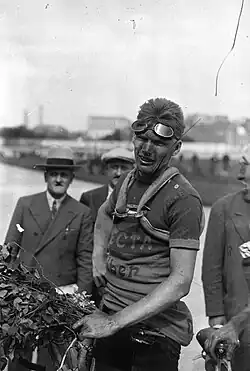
pixel 121 154
pixel 60 158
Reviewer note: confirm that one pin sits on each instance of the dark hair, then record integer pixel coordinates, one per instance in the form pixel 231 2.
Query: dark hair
pixel 162 108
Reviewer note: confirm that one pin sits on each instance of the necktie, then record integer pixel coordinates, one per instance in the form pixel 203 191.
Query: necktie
pixel 54 209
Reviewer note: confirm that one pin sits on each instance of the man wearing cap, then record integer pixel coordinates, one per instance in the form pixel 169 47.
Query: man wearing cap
pixel 116 162
pixel 226 264
pixel 53 232
pixel 150 226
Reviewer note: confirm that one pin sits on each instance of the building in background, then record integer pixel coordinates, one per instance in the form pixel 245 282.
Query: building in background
pixel 219 129
pixel 101 126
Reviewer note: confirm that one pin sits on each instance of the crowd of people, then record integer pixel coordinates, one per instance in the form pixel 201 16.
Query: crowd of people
pixel 133 244
pixel 195 165
pixel 191 165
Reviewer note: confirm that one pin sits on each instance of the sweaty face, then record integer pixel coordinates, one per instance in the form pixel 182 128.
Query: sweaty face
pixel 115 168
pixel 58 181
pixel 152 152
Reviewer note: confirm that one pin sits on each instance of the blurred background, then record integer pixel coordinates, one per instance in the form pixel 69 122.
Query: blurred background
pixel 76 72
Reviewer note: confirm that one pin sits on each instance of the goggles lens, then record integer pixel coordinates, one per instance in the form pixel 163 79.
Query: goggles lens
pixel 139 126
pixel 163 131
pixel 159 129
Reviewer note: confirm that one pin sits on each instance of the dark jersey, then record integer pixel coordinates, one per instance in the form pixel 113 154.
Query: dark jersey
pixel 137 262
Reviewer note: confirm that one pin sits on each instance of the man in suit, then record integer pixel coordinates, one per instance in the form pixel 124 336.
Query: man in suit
pixel 226 267
pixel 116 162
pixel 53 232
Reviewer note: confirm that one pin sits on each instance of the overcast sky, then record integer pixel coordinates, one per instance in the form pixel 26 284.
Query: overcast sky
pixel 106 57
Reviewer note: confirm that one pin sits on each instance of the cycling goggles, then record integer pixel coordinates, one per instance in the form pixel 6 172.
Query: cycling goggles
pixel 158 128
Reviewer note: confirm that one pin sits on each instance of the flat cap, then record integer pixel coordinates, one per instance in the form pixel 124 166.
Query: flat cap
pixel 122 154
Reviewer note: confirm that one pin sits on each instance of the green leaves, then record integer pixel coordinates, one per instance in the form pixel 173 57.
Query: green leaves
pixel 5 328
pixel 32 312
pixel 3 293
pixel 17 301
pixel 5 286
pixel 4 253
pixel 47 318
pixel 40 297
pixel 12 330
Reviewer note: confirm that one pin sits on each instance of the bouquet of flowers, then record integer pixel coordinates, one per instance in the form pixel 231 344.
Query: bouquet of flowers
pixel 34 314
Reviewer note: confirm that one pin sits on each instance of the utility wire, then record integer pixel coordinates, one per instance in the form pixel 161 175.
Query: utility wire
pixel 232 48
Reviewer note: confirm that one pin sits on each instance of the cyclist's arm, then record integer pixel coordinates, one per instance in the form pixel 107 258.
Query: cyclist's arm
pixel 102 231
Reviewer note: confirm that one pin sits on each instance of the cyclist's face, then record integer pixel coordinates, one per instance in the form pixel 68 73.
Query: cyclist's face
pixel 152 151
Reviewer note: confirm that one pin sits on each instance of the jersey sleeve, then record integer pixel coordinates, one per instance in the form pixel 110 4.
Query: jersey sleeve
pixel 185 222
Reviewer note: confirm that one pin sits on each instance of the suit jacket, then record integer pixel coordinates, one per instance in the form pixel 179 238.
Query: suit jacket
pixel 94 199
pixel 60 248
pixel 224 281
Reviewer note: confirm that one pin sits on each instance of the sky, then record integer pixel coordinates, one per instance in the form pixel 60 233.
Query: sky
pixel 106 57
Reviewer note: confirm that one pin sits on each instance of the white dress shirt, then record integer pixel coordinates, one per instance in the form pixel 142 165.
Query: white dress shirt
pixel 52 199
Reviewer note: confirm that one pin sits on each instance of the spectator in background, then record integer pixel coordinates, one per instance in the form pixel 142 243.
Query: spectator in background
pixel 195 164
pixel 181 159
pixel 55 229
pixel 116 162
pixel 226 162
pixel 226 265
pixel 214 165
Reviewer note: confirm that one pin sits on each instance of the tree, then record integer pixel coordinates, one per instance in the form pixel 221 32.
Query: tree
pixel 17 132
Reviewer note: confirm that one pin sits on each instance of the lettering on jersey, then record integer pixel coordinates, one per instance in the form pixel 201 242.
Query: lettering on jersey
pixel 122 239
pixel 122 270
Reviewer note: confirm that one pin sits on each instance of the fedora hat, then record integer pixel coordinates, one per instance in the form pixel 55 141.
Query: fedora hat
pixel 59 157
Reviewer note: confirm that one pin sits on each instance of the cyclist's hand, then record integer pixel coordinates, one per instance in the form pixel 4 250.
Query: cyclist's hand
pixel 227 334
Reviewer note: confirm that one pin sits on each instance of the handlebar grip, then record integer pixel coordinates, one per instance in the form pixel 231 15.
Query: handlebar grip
pixel 202 336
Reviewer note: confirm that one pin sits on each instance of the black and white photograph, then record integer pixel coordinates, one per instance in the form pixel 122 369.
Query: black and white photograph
pixel 125 185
